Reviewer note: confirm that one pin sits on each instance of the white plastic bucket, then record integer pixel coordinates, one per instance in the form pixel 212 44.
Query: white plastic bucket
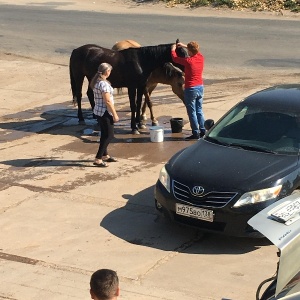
pixel 156 134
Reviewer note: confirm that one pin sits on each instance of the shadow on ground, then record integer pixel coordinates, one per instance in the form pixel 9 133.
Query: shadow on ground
pixel 138 223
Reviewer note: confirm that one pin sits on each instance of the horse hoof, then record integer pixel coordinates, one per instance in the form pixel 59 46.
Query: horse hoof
pixel 154 123
pixel 144 117
pixel 142 126
pixel 135 131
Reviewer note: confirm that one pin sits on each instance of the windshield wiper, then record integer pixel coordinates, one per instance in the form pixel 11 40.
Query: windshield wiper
pixel 213 140
pixel 241 146
pixel 253 148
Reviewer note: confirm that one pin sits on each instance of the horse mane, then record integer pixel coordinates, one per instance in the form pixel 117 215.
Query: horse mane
pixel 160 53
pixel 155 51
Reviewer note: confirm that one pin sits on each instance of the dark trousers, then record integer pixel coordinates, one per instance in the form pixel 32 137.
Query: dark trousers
pixel 106 123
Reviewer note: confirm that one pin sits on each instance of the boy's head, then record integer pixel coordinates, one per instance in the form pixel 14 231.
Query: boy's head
pixel 104 285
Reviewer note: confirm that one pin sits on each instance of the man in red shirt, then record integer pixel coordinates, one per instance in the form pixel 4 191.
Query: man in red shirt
pixel 194 89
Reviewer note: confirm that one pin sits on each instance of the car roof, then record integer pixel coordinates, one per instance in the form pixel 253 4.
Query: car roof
pixel 285 97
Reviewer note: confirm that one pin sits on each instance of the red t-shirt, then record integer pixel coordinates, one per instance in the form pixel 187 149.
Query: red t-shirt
pixel 193 68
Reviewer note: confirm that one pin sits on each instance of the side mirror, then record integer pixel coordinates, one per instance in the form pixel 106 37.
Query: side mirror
pixel 209 123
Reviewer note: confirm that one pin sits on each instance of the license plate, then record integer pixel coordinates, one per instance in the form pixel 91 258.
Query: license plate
pixel 287 212
pixel 195 212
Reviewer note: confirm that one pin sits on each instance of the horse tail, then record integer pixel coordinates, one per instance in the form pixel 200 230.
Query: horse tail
pixel 72 80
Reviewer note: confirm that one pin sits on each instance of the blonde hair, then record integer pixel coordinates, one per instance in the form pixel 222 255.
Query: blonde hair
pixel 193 47
pixel 104 67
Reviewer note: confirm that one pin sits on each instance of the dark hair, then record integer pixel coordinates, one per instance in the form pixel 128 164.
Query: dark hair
pixel 104 284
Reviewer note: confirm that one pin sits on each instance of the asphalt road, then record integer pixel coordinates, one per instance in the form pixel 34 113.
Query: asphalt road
pixel 44 30
pixel 60 217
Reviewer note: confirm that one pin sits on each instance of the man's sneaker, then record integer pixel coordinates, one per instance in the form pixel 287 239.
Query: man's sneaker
pixel 202 134
pixel 193 137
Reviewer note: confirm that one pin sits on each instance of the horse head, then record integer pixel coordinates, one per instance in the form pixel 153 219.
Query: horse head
pixel 176 79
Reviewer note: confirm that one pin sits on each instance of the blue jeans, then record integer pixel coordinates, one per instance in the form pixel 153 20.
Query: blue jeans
pixel 193 98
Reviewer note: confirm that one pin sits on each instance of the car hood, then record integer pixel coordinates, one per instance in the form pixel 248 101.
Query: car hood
pixel 206 163
pixel 286 237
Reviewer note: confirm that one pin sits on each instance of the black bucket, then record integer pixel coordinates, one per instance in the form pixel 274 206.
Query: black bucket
pixel 176 125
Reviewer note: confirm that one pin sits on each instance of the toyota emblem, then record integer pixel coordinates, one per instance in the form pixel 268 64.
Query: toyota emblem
pixel 198 190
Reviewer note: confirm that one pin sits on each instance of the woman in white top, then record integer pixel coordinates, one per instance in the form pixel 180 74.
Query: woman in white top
pixel 105 112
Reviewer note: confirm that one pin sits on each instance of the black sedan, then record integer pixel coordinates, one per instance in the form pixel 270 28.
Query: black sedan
pixel 247 160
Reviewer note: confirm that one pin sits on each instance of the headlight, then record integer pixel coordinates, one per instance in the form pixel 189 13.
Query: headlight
pixel 258 196
pixel 164 178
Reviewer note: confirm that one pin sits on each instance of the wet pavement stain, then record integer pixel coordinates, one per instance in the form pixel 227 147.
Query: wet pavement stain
pixel 126 145
pixel 63 122
pixel 141 148
pixel 43 119
pixel 31 261
pixel 4 186
pixel 17 258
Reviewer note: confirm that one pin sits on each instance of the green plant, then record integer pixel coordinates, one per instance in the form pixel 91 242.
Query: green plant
pixel 228 3
pixel 294 6
pixel 201 2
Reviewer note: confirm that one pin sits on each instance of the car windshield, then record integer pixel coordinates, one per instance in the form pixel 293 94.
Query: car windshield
pixel 258 129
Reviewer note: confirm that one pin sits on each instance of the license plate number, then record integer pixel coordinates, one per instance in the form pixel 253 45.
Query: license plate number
pixel 195 212
pixel 287 212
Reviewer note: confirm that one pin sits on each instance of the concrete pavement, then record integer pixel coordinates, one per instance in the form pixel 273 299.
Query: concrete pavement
pixel 61 218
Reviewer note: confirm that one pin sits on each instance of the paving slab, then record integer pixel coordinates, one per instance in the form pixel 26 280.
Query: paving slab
pixel 61 218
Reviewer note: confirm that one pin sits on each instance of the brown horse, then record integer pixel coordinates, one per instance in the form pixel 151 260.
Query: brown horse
pixel 168 74
pixel 131 69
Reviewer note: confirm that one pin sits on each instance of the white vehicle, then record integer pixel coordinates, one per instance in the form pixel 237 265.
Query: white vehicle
pixel 280 223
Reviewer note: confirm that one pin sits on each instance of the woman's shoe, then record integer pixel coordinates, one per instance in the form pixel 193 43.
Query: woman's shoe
pixel 110 159
pixel 101 165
